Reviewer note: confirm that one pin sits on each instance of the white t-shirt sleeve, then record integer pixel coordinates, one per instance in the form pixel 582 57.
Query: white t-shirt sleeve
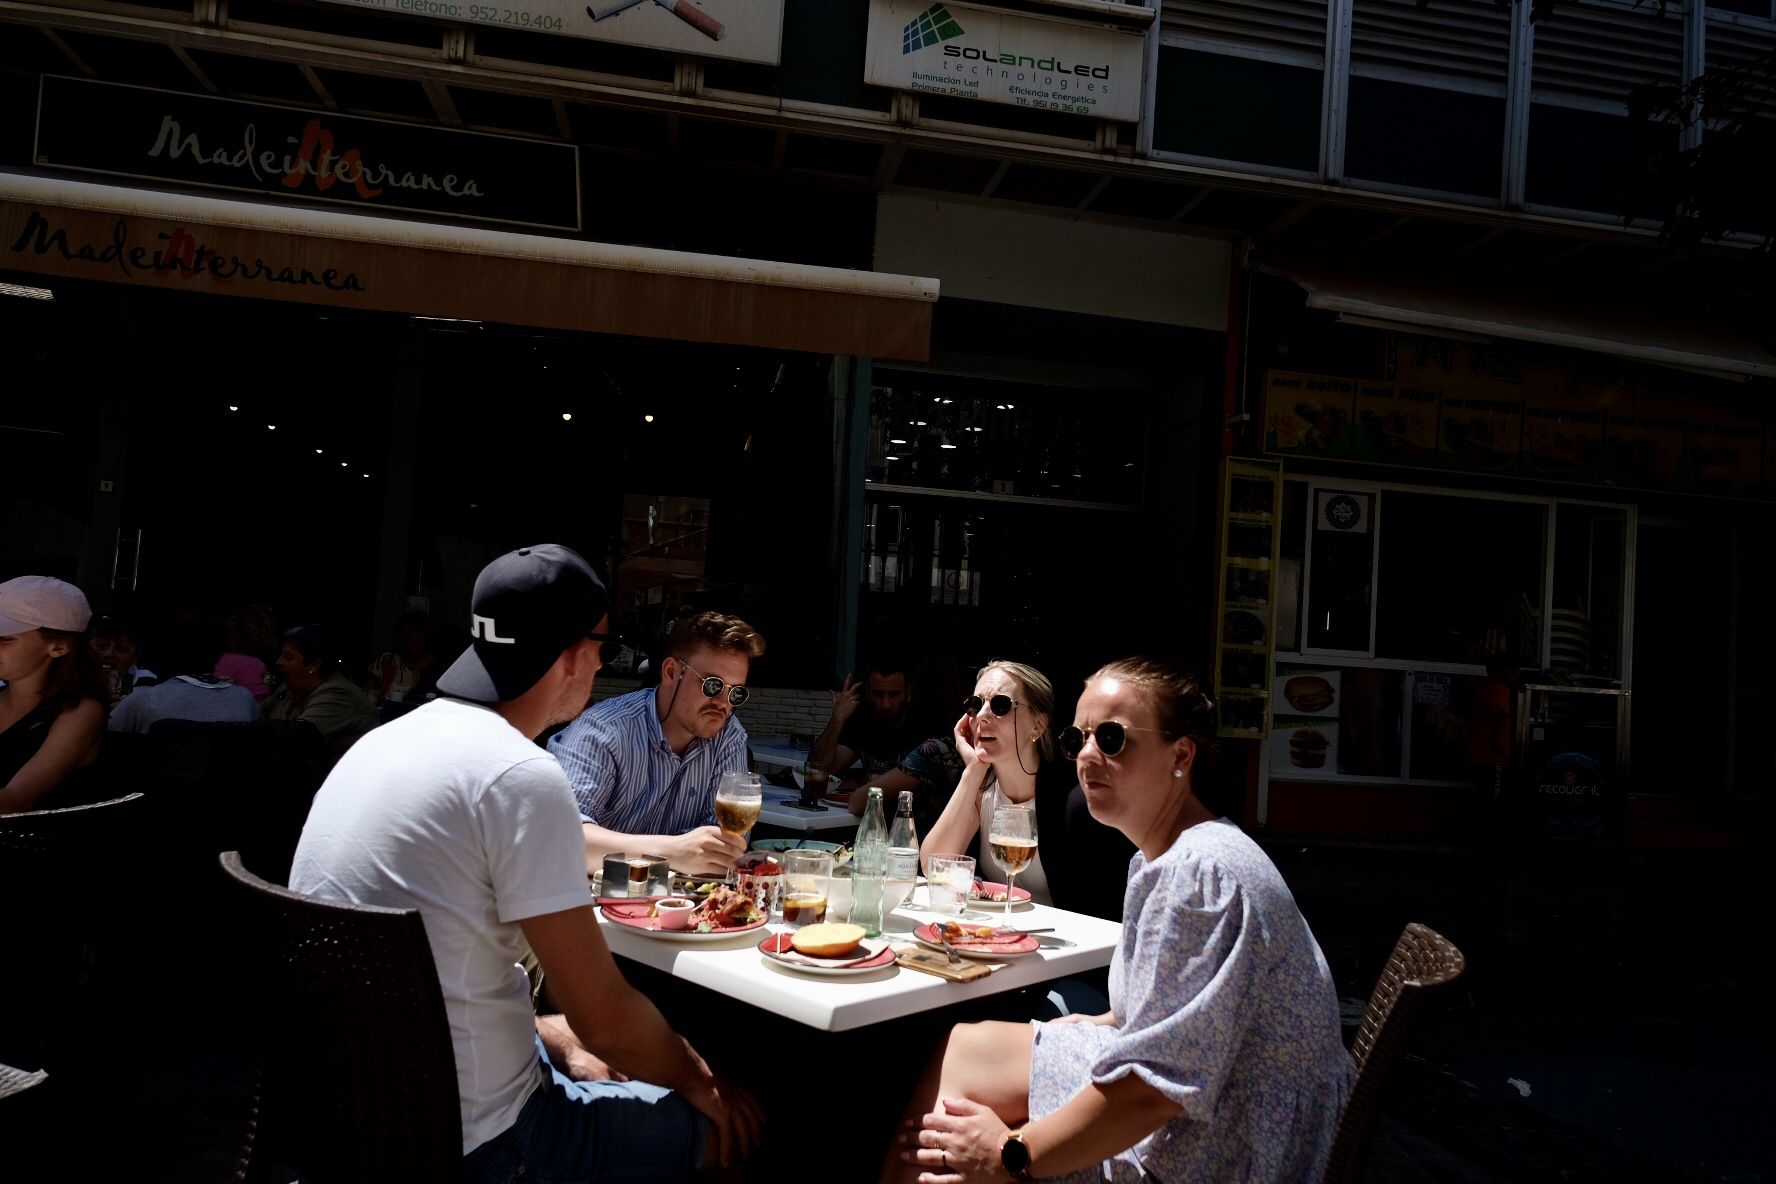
pixel 530 831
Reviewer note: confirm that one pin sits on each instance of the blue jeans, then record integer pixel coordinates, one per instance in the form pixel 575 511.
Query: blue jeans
pixel 574 1132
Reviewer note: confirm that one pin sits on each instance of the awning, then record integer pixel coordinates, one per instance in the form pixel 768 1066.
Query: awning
pixel 55 227
pixel 1644 326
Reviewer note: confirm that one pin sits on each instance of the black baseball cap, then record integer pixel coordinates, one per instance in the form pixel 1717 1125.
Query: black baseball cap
pixel 528 606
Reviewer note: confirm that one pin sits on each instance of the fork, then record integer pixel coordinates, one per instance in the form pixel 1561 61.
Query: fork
pixel 955 958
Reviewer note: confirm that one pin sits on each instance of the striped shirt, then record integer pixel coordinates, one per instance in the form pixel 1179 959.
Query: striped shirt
pixel 626 777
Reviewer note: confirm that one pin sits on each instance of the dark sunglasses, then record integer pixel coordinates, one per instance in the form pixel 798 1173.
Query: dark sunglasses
pixel 610 646
pixel 1110 735
pixel 712 686
pixel 1000 705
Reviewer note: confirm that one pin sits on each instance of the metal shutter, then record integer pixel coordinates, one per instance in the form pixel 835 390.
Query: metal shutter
pixel 1291 31
pixel 1733 43
pixel 1452 44
pixel 1593 53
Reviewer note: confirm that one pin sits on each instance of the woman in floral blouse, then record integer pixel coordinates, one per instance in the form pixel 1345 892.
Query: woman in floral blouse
pixel 1221 1057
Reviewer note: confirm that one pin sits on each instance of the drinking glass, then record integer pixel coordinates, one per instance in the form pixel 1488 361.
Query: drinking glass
pixel 738 800
pixel 1012 836
pixel 949 879
pixel 814 782
pixel 807 883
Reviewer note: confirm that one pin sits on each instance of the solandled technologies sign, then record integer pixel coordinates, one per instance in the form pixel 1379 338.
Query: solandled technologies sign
pixel 1040 62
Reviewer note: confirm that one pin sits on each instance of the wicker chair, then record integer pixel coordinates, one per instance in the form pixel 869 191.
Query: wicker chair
pixel 359 1077
pixel 59 869
pixel 1423 961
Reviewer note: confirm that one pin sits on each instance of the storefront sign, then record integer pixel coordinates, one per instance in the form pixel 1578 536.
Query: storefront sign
pixel 738 30
pixel 375 164
pixel 1045 63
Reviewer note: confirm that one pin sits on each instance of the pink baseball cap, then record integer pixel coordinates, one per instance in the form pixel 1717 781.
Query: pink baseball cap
pixel 42 602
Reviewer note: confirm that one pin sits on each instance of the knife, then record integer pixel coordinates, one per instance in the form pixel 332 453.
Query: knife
pixel 684 10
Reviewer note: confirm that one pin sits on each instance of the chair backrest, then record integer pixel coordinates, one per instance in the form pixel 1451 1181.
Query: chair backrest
pixel 359 1074
pixel 61 872
pixel 1423 961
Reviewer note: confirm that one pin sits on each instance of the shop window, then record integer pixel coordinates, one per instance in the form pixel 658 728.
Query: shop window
pixel 1585 619
pixel 1340 564
pixel 1007 439
pixel 1587 160
pixel 1399 134
pixel 1460 578
pixel 1234 108
pixel 1442 706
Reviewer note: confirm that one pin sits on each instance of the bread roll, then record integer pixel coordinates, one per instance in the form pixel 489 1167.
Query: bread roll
pixel 827 941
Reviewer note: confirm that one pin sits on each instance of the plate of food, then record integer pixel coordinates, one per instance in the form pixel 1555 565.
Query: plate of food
pixel 722 913
pixel 985 893
pixel 977 941
pixel 778 846
pixel 828 950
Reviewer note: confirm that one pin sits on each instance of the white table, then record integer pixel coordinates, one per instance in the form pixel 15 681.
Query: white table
pixel 784 817
pixel 734 968
pixel 778 753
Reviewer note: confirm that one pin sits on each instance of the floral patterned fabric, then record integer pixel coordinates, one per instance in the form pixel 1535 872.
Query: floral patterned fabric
pixel 1225 1005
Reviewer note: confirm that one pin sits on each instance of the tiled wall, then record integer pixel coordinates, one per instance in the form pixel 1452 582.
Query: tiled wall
pixel 767 712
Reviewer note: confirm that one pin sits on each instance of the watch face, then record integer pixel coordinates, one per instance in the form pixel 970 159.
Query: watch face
pixel 1014 1156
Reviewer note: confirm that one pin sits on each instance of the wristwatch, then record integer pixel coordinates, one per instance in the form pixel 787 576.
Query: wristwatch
pixel 1014 1157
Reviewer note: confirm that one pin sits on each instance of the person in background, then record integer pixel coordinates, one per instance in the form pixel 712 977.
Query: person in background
pixel 1008 757
pixel 314 689
pixel 52 706
pixel 114 648
pixel 1221 1059
pixel 453 810
pixel 252 642
pixel 407 673
pixel 879 735
pixel 1490 741
pixel 188 647
pixel 644 766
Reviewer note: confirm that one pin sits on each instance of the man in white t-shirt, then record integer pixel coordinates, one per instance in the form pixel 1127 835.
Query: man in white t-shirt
pixel 454 811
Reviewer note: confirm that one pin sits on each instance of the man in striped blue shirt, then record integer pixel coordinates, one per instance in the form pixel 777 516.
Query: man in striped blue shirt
pixel 644 766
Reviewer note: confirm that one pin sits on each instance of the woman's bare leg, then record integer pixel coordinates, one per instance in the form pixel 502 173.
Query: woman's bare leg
pixel 987 1063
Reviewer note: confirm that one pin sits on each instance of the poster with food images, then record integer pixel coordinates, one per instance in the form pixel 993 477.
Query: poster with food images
pixel 1563 438
pixel 1299 690
pixel 1395 424
pixel 1722 457
pixel 1303 747
pixel 1482 435
pixel 1308 414
pixel 1646 441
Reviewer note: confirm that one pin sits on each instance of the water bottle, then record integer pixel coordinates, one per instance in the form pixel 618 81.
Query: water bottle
pixel 867 865
pixel 903 856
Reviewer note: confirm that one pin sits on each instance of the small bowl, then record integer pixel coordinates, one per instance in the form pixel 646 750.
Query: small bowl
pixel 674 912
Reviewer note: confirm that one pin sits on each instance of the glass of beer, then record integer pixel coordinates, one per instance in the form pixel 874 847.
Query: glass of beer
pixel 738 800
pixel 1012 837
pixel 807 881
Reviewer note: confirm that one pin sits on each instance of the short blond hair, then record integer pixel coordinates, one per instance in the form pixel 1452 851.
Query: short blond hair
pixel 718 631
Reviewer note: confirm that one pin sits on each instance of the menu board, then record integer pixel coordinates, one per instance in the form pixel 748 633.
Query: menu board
pixel 1307 414
pixel 1250 536
pixel 1539 423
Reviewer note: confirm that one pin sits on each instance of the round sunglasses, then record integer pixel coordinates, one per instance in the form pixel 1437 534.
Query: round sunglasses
pixel 712 686
pixel 1111 737
pixel 999 705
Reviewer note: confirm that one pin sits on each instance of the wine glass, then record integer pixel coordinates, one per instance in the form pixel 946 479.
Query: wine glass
pixel 738 800
pixel 1012 837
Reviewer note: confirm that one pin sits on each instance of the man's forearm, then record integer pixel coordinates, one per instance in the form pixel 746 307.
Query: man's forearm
pixel 630 1035
pixel 601 842
pixel 825 744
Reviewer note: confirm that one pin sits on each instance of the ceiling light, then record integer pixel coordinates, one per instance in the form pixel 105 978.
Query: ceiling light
pixel 366 474
pixel 647 419
pixel 946 445
pixel 918 423
pixel 566 415
pixel 890 458
pixel 342 464
pixel 26 292
pixel 317 452
pixel 897 441
pixel 271 427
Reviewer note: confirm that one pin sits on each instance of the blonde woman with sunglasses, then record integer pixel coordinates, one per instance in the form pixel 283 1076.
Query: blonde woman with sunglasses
pixel 1008 760
pixel 1220 1059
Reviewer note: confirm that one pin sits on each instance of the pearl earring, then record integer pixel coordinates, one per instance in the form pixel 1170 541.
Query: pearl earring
pixel 1177 772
